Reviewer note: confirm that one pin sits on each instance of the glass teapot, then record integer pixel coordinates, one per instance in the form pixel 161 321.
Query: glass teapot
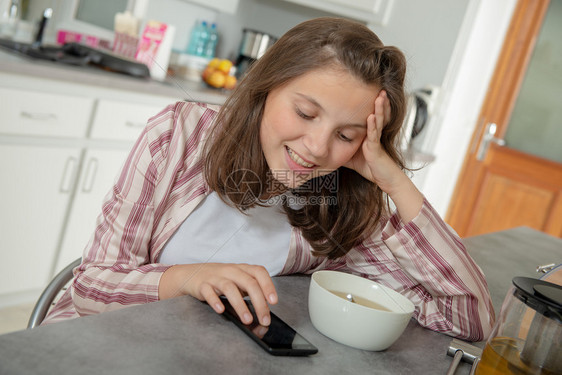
pixel 527 338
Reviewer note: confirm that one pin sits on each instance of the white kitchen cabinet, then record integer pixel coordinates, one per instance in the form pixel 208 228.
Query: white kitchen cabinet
pixel 26 112
pixel 60 153
pixel 369 11
pixel 98 173
pixel 118 120
pixel 38 180
pixel 224 6
pixel 37 183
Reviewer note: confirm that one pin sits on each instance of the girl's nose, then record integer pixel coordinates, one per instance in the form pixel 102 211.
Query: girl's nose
pixel 317 143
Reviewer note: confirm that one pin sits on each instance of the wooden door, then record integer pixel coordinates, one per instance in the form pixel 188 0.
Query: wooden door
pixel 499 186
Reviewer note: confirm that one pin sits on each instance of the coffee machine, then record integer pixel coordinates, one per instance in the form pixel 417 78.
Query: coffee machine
pixel 253 45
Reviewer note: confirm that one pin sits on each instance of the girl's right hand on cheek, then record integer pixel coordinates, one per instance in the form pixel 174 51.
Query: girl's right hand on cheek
pixel 208 281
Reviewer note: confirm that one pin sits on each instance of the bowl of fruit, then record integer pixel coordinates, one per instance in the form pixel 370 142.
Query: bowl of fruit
pixel 219 74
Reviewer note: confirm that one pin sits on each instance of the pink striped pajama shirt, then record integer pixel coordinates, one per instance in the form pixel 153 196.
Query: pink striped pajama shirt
pixel 161 183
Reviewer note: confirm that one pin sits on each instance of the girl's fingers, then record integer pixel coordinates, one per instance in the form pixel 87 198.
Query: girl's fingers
pixel 261 292
pixel 237 301
pixel 387 111
pixel 376 121
pixel 265 282
pixel 236 280
pixel 210 295
pixel 371 128
pixel 379 116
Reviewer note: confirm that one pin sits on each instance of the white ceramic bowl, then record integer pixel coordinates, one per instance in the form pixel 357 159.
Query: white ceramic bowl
pixel 352 323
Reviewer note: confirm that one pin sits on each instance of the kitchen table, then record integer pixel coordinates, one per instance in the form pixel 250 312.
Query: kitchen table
pixel 183 335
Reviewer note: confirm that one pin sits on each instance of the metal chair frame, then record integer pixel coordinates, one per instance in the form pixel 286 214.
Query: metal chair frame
pixel 46 300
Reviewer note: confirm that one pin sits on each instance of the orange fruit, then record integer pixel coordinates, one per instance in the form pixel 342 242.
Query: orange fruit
pixel 224 66
pixel 214 63
pixel 216 79
pixel 230 82
pixel 207 72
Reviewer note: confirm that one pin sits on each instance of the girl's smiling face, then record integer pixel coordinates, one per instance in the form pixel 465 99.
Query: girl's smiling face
pixel 314 124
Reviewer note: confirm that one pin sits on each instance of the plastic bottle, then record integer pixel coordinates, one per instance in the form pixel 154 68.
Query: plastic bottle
pixel 202 40
pixel 211 46
pixel 195 37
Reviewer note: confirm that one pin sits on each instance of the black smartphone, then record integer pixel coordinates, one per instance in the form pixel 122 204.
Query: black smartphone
pixel 277 339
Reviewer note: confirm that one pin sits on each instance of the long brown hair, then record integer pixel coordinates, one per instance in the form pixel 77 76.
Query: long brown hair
pixel 235 166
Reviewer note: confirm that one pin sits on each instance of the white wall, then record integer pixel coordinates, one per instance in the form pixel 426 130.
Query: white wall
pixel 462 95
pixel 426 31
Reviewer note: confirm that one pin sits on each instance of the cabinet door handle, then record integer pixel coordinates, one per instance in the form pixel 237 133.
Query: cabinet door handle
pixel 38 116
pixel 133 124
pixel 90 175
pixel 68 175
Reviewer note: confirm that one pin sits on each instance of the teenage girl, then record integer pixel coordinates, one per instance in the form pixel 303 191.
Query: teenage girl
pixel 291 175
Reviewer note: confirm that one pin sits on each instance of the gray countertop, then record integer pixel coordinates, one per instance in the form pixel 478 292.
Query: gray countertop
pixel 183 335
pixel 516 252
pixel 172 87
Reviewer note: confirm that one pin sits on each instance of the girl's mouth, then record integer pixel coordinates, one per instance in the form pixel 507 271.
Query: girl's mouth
pixel 296 159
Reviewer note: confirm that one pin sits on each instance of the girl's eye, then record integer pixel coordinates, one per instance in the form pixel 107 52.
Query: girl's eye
pixel 344 138
pixel 303 115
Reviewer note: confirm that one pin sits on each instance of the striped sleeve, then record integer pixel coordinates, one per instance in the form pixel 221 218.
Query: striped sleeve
pixel 450 289
pixel 426 261
pixel 119 265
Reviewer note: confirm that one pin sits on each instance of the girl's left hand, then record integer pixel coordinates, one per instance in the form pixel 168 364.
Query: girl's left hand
pixel 373 163
pixel 371 160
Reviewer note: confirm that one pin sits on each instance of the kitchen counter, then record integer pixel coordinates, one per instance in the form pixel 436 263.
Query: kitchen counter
pixel 12 63
pixel 184 335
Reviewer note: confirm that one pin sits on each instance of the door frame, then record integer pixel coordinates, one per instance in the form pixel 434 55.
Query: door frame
pixel 498 104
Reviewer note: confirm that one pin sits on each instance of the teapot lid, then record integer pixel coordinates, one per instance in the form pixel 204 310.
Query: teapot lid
pixel 540 295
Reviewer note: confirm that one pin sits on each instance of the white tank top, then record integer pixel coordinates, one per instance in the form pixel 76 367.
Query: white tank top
pixel 217 233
